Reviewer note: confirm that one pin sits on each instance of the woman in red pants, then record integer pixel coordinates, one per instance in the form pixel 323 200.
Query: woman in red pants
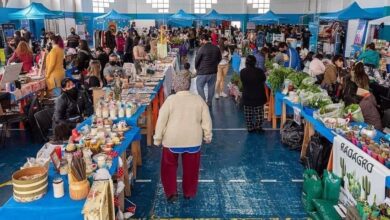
pixel 183 123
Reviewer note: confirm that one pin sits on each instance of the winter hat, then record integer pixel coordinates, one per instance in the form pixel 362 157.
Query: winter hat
pixel 181 82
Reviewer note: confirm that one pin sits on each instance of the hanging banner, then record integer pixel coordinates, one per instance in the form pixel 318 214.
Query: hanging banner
pixel 313 28
pixel 363 177
pixel 359 37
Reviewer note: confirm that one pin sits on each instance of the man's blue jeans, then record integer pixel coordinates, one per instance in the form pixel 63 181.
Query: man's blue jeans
pixel 201 81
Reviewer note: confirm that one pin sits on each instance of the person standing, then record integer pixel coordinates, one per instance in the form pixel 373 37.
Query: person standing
pixel 206 65
pixel 55 72
pixel 370 57
pixel 223 68
pixel 291 56
pixel 120 44
pixel 253 95
pixel 84 56
pixel 73 39
pixel 23 54
pixel 110 39
pixel 10 49
pixel 183 123
pixel 128 57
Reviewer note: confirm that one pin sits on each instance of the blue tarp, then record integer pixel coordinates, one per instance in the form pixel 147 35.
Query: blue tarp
pixel 267 18
pixel 112 15
pixel 354 11
pixel 183 16
pixel 33 12
pixel 213 15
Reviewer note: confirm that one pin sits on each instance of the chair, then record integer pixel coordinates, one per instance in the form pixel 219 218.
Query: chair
pixel 44 120
pixel 5 120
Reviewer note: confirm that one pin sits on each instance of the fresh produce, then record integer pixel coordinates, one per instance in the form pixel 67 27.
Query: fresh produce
pixel 319 103
pixel 236 80
pixel 277 77
pixel 269 65
pixel 297 78
pixel 351 108
pixel 310 88
pixel 354 112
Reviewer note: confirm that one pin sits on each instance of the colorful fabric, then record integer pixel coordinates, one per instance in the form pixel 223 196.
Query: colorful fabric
pixel 254 116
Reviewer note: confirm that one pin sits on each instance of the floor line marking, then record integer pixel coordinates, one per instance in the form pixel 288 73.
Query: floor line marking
pixel 297 180
pixel 143 181
pixel 242 129
pixel 237 181
pixel 268 181
pixel 205 181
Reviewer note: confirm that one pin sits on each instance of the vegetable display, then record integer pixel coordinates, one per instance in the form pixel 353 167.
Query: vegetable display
pixel 236 80
pixel 319 103
pixel 297 78
pixel 277 77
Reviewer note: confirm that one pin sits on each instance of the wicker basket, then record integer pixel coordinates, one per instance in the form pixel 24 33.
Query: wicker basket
pixel 28 190
pixel 78 190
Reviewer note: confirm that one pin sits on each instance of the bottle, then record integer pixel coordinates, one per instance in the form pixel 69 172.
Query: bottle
pixel 105 112
pixel 121 112
pixel 113 112
pixel 98 111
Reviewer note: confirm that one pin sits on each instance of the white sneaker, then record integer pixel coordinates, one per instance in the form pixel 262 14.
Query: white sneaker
pixel 223 95
pixel 216 96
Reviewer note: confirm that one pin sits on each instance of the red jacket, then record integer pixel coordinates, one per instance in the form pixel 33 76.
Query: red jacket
pixel 120 44
pixel 26 59
pixel 214 39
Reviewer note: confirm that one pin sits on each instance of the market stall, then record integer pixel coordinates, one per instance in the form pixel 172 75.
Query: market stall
pixel 118 111
pixel 268 18
pixel 343 30
pixel 111 20
pixel 213 17
pixel 181 18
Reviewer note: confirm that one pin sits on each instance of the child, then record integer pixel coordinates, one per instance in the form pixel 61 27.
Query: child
pixel 187 71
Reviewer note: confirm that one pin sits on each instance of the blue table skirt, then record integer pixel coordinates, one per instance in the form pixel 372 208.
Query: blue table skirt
pixel 318 125
pixel 48 207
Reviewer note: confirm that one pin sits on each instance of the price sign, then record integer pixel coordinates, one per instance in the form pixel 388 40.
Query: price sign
pixel 297 115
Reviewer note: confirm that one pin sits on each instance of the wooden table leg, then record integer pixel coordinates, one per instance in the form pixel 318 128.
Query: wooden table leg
pixel 155 110
pixel 330 162
pixel 22 104
pixel 149 126
pixel 126 181
pixel 283 116
pixel 308 133
pixel 274 119
pixel 136 150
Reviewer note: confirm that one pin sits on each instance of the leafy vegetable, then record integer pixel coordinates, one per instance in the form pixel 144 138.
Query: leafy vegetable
pixel 277 77
pixel 319 103
pixel 310 88
pixel 269 65
pixel 296 78
pixel 236 80
pixel 351 108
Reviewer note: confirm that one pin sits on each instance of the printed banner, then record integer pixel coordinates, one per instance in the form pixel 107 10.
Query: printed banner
pixel 360 32
pixel 363 176
pixel 313 28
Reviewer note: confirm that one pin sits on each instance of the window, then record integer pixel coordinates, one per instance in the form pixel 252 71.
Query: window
pixel 98 6
pixel 236 24
pixel 262 6
pixel 161 5
pixel 200 6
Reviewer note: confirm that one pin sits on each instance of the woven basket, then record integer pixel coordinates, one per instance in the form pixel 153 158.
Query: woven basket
pixel 31 189
pixel 78 190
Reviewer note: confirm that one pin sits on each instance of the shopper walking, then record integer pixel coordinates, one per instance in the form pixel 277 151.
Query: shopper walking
pixel 206 65
pixel 120 44
pixel 73 39
pixel 253 95
pixel 183 122
pixel 23 54
pixel 223 68
pixel 55 71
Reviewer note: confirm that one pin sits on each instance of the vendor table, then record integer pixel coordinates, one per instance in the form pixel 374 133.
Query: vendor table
pixel 65 208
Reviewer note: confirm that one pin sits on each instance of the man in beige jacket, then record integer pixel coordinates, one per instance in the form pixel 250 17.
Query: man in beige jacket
pixel 184 122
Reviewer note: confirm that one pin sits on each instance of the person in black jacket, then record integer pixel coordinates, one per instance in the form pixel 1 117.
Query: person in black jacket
pixel 110 39
pixel 253 95
pixel 84 56
pixel 128 57
pixel 10 49
pixel 71 105
pixel 73 39
pixel 206 65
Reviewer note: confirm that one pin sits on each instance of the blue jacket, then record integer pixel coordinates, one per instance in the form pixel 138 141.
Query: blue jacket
pixel 260 61
pixel 294 61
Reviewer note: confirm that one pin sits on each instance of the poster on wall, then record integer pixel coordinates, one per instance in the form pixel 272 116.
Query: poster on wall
pixel 359 37
pixel 251 26
pixel 313 28
pixel 362 176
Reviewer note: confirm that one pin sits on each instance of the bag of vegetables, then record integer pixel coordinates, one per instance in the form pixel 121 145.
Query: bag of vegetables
pixel 354 112
pixel 330 111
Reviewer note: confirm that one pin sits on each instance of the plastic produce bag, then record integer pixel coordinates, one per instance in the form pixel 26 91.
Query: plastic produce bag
pixel 312 189
pixel 330 111
pixel 292 135
pixel 308 81
pixel 325 209
pixel 355 111
pixel 318 153
pixel 305 97
pixel 331 184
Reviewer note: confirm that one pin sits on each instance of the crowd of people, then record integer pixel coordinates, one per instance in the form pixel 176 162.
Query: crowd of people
pixel 72 69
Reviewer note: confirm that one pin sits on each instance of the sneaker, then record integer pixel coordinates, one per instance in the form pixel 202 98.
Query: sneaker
pixel 223 95
pixel 216 96
pixel 172 198
pixel 259 130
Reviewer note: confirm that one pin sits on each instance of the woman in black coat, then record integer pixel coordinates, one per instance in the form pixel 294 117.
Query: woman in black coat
pixel 84 56
pixel 253 95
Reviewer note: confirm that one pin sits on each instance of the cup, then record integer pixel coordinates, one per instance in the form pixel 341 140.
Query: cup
pixel 58 187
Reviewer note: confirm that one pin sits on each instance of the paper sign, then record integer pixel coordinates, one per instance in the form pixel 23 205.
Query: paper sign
pixel 297 115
